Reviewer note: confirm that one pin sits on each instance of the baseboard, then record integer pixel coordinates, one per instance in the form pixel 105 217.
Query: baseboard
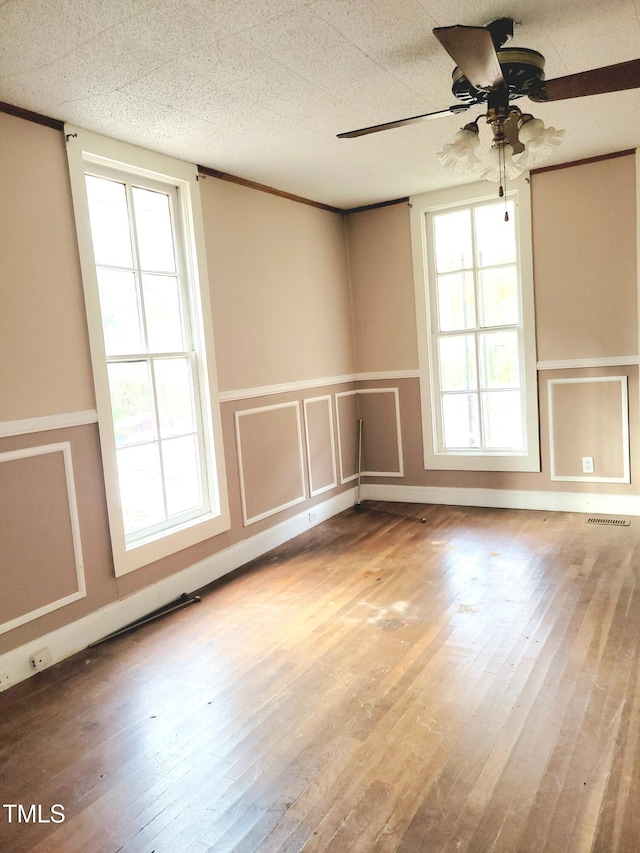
pixel 506 499
pixel 73 638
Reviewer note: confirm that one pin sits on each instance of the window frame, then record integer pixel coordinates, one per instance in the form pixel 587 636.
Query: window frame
pixel 86 150
pixel 435 455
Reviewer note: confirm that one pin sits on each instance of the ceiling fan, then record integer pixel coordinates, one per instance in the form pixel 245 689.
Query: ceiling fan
pixel 487 72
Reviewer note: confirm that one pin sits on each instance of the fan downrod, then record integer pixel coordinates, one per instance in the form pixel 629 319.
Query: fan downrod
pixel 501 31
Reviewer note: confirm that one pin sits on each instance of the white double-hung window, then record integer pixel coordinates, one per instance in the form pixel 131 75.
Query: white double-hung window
pixel 140 237
pixel 474 298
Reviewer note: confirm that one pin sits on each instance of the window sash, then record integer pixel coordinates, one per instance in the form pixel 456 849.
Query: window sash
pixel 158 493
pixel 158 440
pixel 435 325
pixel 473 333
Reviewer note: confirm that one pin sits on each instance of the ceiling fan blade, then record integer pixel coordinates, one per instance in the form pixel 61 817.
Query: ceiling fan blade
pixel 473 51
pixel 456 108
pixel 611 78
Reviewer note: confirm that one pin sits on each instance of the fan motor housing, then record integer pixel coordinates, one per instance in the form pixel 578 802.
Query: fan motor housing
pixel 522 69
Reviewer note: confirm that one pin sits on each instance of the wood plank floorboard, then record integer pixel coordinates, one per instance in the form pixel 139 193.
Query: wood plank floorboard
pixel 377 685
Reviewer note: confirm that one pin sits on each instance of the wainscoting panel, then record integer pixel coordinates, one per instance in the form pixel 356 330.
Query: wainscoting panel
pixel 379 409
pixel 39 529
pixel 320 440
pixel 381 433
pixel 347 417
pixel 589 417
pixel 270 459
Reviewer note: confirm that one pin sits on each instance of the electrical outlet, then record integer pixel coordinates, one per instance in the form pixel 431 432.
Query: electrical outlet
pixel 587 464
pixel 5 679
pixel 41 660
pixel 313 516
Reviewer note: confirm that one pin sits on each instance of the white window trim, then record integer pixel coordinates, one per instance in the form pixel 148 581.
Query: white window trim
pixel 85 147
pixel 435 458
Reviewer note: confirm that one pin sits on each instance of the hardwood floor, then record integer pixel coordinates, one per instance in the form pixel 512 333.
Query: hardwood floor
pixel 377 684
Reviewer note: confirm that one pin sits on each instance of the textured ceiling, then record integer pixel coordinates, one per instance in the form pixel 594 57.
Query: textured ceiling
pixel 260 88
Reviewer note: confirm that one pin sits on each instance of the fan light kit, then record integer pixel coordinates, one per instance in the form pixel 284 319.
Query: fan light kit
pixel 488 73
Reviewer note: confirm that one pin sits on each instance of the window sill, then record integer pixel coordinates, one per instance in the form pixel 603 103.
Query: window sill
pixel 142 552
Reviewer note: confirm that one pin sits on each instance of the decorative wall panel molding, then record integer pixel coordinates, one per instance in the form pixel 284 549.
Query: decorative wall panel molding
pixel 581 363
pixel 270 459
pixel 41 558
pixel 589 419
pixel 382 446
pixel 30 425
pixel 322 382
pixel 347 419
pixel 320 444
pixel 284 388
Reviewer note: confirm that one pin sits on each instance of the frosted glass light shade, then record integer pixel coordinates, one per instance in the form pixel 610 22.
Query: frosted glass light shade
pixel 460 155
pixel 539 142
pixel 501 164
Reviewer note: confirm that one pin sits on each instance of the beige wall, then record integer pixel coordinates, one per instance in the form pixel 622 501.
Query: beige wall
pixel 44 346
pixel 584 250
pixel 22 499
pixel 279 286
pixel 382 288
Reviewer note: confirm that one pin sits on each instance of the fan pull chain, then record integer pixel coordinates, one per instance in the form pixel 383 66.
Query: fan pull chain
pixel 502 169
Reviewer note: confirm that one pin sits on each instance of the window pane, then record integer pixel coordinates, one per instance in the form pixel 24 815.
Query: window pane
pixel 460 421
pixel 109 220
pixel 502 415
pixel 140 487
pixel 456 301
pixel 452 232
pixel 499 305
pixel 457 363
pixel 131 402
pixel 120 315
pixel 499 360
pixel 153 230
pixel 174 396
pixel 182 481
pixel 162 312
pixel 495 238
